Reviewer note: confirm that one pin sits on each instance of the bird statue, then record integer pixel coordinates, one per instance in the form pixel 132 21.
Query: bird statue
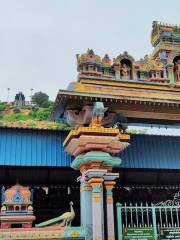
pixel 63 221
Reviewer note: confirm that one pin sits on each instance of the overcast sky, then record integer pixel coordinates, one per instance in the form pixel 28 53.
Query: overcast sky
pixel 39 39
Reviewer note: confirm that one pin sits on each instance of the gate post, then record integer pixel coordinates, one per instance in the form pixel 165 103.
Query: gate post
pixel 119 220
pixel 154 221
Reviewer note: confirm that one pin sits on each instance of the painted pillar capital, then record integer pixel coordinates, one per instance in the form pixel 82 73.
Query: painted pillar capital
pixel 96 184
pixel 96 181
pixel 109 185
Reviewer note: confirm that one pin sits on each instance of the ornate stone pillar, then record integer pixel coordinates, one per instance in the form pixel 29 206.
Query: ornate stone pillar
pixel 109 184
pixel 110 211
pixel 117 72
pixel 94 148
pixel 97 203
pixel 86 206
pixel 170 68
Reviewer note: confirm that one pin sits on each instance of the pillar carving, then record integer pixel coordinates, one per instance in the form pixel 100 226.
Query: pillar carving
pixel 117 72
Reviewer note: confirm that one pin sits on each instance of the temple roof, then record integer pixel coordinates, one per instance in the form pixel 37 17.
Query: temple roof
pixel 17 194
pixel 120 96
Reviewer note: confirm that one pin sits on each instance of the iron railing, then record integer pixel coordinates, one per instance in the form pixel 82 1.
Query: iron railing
pixel 147 217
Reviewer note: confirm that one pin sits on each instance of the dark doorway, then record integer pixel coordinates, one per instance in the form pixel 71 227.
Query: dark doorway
pixel 176 62
pixel 16 225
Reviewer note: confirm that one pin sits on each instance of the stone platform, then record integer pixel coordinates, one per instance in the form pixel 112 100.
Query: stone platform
pixel 48 233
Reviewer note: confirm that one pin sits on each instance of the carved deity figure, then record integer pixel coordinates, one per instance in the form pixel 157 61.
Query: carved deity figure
pixel 98 113
pixel 124 70
pixel 177 70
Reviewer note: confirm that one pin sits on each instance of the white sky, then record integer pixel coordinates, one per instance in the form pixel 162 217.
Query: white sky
pixel 39 39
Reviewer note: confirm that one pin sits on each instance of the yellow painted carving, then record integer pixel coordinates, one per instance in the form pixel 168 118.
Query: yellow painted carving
pixel 95 129
pixel 85 188
pixel 109 199
pixel 96 197
pixel 139 85
pixel 74 233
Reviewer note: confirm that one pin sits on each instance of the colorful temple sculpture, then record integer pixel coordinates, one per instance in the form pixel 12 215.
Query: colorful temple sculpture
pixel 108 165
pixel 126 85
pixel 16 207
pixel 161 66
pixel 63 221
pixel 95 148
pixel 17 216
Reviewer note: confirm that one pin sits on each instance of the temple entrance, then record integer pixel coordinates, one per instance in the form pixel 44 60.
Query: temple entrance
pixel 16 225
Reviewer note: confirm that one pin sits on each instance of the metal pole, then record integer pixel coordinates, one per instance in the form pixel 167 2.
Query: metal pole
pixel 154 222
pixel 8 95
pixel 119 220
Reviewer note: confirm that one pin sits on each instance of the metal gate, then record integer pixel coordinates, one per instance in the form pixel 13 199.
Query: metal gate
pixel 149 221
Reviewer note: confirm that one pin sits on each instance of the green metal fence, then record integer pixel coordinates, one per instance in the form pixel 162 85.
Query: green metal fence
pixel 148 222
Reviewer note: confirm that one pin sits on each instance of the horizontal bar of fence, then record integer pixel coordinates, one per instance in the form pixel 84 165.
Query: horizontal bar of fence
pixel 150 207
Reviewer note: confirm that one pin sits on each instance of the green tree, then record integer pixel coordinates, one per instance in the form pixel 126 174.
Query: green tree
pixel 41 99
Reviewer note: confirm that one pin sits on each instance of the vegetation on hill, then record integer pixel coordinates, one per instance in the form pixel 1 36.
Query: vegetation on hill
pixel 29 117
pixel 41 99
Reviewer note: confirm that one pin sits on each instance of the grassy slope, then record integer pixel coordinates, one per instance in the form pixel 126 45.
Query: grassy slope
pixel 28 117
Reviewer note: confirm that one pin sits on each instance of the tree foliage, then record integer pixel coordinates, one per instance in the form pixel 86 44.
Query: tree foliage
pixel 41 99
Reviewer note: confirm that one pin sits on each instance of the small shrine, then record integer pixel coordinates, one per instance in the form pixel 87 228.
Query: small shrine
pixel 16 210
pixel 19 99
